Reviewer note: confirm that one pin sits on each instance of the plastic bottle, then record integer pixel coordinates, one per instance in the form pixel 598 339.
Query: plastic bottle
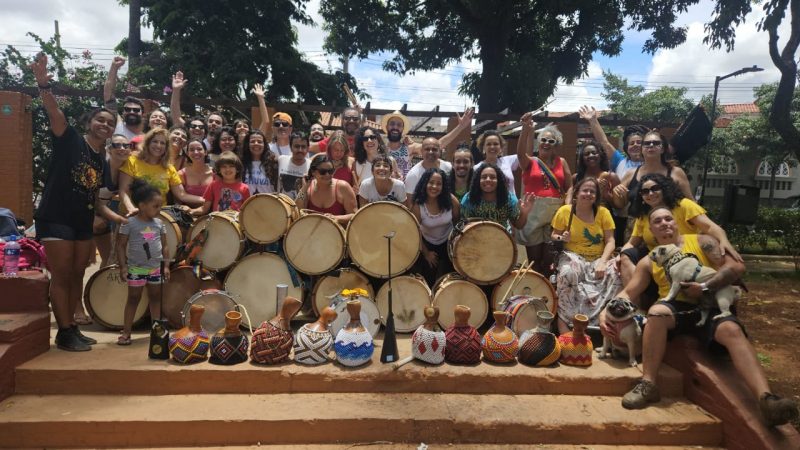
pixel 11 257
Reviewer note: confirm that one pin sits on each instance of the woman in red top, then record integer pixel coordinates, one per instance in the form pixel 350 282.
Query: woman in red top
pixel 325 194
pixel 338 154
pixel 548 178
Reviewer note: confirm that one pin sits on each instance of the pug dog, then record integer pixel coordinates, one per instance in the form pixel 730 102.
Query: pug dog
pixel 680 267
pixel 626 319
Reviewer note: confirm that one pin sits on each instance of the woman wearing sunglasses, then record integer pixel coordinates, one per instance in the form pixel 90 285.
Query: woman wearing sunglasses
pixel 655 191
pixel 368 145
pixel 117 152
pixel 548 178
pixel 326 195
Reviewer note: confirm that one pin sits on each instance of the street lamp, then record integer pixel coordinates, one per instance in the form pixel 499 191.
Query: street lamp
pixel 713 112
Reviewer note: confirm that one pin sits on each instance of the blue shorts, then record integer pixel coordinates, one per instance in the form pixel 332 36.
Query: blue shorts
pixel 51 231
pixel 139 276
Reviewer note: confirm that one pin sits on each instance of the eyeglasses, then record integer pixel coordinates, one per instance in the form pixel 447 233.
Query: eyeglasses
pixel 351 118
pixel 547 141
pixel 119 145
pixel 281 124
pixel 324 172
pixel 197 126
pixel 651 144
pixel 372 137
pixel 651 190
pixel 132 110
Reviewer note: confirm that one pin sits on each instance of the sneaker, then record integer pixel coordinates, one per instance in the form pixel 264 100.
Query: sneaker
pixel 777 410
pixel 68 340
pixel 85 339
pixel 643 393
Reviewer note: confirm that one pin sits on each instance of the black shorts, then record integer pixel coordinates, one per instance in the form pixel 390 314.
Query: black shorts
pixel 51 231
pixel 686 317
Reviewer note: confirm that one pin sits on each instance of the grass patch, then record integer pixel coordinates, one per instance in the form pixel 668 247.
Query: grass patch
pixel 772 276
pixel 764 359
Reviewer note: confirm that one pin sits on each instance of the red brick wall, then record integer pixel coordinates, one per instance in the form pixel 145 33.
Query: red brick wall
pixel 16 154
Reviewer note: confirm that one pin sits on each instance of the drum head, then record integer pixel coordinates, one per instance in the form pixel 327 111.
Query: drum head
pixel 410 296
pixel 329 285
pixel 182 285
pixel 450 292
pixel 224 243
pixel 174 235
pixel 531 283
pixel 523 311
pixel 252 283
pixel 370 317
pixel 216 304
pixel 265 218
pixel 105 296
pixel 314 244
pixel 368 247
pixel 484 252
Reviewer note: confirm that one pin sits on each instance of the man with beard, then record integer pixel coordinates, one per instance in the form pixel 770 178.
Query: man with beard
pixel 403 151
pixel 351 122
pixel 317 133
pixel 130 124
pixel 462 171
pixel 431 151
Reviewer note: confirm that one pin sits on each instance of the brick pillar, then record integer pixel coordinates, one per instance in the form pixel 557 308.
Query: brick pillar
pixel 16 152
pixel 569 149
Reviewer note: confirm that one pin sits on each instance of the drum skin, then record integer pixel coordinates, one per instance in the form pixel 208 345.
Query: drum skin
pixel 216 304
pixel 314 244
pixel 452 290
pixel 175 234
pixel 225 239
pixel 367 246
pixel 105 296
pixel 326 287
pixel 483 252
pixel 369 315
pixel 265 218
pixel 410 296
pixel 522 311
pixel 180 287
pixel 531 283
pixel 252 281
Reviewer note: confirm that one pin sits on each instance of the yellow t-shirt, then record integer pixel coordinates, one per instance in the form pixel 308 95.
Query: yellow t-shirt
pixel 155 174
pixel 586 239
pixel 683 213
pixel 690 245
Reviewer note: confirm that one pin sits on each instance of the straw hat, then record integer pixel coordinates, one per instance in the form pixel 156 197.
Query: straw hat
pixel 395 115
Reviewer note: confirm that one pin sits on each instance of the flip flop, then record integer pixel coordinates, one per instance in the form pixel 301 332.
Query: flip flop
pixel 124 340
pixel 83 320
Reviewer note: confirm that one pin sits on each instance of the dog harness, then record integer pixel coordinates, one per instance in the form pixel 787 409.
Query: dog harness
pixel 678 258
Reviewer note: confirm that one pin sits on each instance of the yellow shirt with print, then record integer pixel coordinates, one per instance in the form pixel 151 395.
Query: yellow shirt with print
pixel 155 174
pixel 690 245
pixel 683 213
pixel 586 239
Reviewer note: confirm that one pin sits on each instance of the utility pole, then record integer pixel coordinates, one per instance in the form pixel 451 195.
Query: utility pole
pixel 134 33
pixel 62 72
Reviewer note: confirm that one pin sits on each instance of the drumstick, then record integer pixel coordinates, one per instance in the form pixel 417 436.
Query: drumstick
pixel 526 266
pixel 402 362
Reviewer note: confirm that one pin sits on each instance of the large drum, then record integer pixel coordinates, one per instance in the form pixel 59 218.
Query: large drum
pixel 328 286
pixel 177 224
pixel 369 315
pixel 451 290
pixel 225 240
pixel 482 252
pixel 314 244
pixel 182 285
pixel 216 303
pixel 252 283
pixel 366 242
pixel 522 311
pixel 531 283
pixel 410 296
pixel 265 218
pixel 105 296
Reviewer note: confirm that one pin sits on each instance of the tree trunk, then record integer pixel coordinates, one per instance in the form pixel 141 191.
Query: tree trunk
pixel 134 33
pixel 780 114
pixel 493 55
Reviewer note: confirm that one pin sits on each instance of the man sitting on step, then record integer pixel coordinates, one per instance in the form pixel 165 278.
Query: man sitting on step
pixel 679 316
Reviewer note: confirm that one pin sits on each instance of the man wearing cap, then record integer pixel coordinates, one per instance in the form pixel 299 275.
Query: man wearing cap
pixel 396 123
pixel 281 130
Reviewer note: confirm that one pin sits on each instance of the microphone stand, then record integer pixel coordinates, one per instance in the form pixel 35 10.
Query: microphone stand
pixel 389 350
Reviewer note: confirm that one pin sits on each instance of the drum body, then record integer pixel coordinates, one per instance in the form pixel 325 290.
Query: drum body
pixel 105 296
pixel 367 245
pixel 216 304
pixel 370 316
pixel 452 290
pixel 252 283
pixel 410 296
pixel 225 239
pixel 522 311
pixel 314 244
pixel 181 286
pixel 328 286
pixel 265 218
pixel 177 225
pixel 532 283
pixel 483 252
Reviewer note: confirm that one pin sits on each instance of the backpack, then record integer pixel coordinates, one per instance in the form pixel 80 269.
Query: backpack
pixel 8 223
pixel 31 255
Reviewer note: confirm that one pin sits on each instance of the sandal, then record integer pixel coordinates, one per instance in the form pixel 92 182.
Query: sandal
pixel 124 340
pixel 82 319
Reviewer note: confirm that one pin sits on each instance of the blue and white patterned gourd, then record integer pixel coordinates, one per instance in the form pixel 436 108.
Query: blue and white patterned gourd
pixel 353 344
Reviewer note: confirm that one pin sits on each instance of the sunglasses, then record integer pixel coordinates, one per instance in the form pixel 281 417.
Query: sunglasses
pixel 351 118
pixel 547 141
pixel 651 144
pixel 119 145
pixel 132 110
pixel 325 171
pixel 648 191
pixel 281 124
pixel 370 138
pixel 197 126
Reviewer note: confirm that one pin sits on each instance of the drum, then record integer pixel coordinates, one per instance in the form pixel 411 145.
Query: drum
pixel 522 311
pixel 314 244
pixel 367 245
pixel 532 283
pixel 328 286
pixel 451 290
pixel 177 224
pixel 265 218
pixel 216 302
pixel 182 285
pixel 370 316
pixel 252 283
pixel 105 296
pixel 225 239
pixel 482 252
pixel 410 296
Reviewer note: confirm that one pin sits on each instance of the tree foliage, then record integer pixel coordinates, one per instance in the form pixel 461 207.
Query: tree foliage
pixel 665 104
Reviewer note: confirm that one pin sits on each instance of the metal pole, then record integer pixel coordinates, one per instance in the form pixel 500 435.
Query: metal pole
pixel 708 146
pixel 389 351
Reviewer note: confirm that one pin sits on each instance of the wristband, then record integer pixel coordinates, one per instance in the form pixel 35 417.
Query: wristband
pixel 704 287
pixel 46 87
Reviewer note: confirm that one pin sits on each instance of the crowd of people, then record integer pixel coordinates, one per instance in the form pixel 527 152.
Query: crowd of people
pixel 206 165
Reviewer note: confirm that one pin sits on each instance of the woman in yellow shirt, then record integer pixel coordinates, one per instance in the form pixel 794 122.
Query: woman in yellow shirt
pixel 152 164
pixel 587 275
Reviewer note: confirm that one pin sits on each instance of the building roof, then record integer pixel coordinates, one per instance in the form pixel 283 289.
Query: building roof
pixel 740 108
pixel 336 121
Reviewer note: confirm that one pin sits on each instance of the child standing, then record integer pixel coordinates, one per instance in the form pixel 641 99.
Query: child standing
pixel 142 245
pixel 227 192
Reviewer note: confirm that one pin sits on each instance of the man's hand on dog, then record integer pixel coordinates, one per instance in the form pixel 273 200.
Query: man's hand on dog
pixel 692 289
pixel 609 332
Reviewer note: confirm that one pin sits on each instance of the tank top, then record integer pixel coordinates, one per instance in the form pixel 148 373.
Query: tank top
pixel 345 174
pixel 192 189
pixel 435 228
pixel 537 182
pixel 337 208
pixel 633 185
pixel 690 245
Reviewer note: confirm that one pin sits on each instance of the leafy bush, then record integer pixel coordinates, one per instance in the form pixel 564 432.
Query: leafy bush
pixel 777 230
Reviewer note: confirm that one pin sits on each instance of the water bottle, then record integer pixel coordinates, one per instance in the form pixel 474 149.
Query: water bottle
pixel 11 257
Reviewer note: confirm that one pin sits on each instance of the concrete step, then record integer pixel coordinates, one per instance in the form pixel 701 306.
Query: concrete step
pixel 110 369
pixel 238 419
pixel 22 337
pixel 385 445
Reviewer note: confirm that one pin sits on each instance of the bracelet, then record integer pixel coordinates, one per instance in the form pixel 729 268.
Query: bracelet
pixel 46 87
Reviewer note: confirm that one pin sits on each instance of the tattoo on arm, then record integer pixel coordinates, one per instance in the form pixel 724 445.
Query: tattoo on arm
pixel 724 277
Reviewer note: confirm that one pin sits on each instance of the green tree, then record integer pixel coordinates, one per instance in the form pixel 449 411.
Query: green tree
pixel 665 104
pixel 524 46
